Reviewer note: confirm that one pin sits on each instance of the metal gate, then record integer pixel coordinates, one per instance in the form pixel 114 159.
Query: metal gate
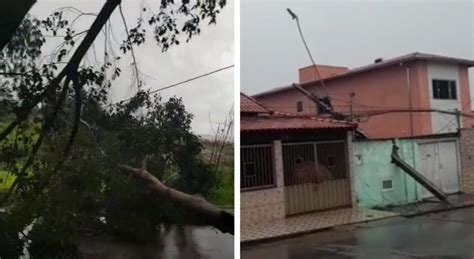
pixel 316 176
pixel 440 164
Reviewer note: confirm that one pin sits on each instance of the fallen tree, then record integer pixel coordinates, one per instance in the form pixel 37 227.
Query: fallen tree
pixel 204 213
pixel 68 178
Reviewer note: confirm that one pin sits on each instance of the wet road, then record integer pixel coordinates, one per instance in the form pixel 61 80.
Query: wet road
pixel 442 235
pixel 194 242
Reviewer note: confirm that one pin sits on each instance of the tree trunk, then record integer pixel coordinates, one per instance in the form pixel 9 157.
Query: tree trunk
pixel 12 13
pixel 204 211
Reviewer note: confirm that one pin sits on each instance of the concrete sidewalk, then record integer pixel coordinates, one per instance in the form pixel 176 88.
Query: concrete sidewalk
pixel 307 223
pixel 447 234
pixel 318 221
pixel 432 205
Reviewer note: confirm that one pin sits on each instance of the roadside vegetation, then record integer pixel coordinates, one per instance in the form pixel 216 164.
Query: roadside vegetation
pixel 218 152
pixel 223 192
pixel 6 181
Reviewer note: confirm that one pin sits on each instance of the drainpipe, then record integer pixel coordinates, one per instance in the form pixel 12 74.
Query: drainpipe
pixel 410 107
pixel 410 102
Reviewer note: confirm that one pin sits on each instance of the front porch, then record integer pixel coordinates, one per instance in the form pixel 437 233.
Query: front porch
pixel 292 174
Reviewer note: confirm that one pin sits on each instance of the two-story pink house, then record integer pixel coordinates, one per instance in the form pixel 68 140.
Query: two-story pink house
pixel 412 82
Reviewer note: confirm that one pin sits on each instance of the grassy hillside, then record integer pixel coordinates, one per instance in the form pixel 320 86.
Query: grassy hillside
pixel 223 194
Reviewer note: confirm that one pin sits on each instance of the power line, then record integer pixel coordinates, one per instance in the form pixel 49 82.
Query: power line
pixel 450 122
pixel 183 82
pixel 192 79
pixel 380 110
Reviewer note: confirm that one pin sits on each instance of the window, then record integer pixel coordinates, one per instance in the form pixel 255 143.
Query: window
pixel 387 185
pixel 256 165
pixel 299 106
pixel 444 89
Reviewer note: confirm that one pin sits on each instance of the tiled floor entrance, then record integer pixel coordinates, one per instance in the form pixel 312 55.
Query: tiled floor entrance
pixel 309 222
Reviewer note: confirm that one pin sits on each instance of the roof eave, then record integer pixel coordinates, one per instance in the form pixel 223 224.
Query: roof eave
pixel 298 129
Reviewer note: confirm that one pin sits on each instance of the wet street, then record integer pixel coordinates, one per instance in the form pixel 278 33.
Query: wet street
pixel 193 242
pixel 442 235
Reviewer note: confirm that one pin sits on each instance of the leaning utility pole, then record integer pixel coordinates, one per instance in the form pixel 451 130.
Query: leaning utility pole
pixel 458 119
pixel 351 107
pixel 312 96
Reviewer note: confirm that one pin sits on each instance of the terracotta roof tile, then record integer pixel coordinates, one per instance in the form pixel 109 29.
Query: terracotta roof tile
pixel 250 105
pixel 290 122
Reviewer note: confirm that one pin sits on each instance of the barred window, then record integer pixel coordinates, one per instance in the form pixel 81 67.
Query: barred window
pixel 256 165
pixel 444 89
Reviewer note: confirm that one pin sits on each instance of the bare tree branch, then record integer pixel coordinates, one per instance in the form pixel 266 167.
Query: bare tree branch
pixel 229 126
pixel 8 129
pixel 74 9
pixel 131 47
pixel 77 120
pixel 72 65
pixel 14 74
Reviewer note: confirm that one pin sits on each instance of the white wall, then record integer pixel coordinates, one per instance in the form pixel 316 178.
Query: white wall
pixel 444 123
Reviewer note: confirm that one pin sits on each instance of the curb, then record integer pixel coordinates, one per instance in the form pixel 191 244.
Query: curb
pixel 422 213
pixel 250 243
pixel 282 237
pixel 267 240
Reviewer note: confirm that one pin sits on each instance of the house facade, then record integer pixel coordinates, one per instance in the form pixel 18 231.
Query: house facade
pixel 292 164
pixel 379 182
pixel 381 94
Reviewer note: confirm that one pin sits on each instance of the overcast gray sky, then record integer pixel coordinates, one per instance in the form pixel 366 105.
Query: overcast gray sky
pixel 209 99
pixel 347 33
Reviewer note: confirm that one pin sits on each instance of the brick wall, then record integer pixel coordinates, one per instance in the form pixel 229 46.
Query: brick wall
pixel 467 160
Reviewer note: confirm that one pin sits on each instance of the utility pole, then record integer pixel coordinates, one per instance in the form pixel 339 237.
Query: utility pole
pixel 319 103
pixel 313 97
pixel 410 102
pixel 351 106
pixel 410 106
pixel 458 119
pixel 295 17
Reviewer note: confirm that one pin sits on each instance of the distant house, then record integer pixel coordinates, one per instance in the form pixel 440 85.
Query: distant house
pixel 412 82
pixel 292 163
